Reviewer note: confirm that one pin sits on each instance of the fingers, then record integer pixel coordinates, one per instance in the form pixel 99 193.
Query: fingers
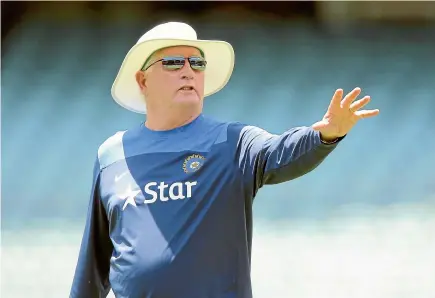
pixel 336 99
pixel 359 104
pixel 350 97
pixel 366 113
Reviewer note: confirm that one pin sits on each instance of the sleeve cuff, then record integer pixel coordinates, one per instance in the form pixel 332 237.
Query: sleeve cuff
pixel 333 141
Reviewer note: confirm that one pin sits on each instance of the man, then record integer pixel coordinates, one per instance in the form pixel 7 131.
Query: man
pixel 170 215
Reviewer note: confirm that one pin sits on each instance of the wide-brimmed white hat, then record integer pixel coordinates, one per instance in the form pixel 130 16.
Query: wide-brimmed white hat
pixel 219 56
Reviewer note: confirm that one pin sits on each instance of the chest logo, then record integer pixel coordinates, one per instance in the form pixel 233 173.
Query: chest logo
pixel 159 192
pixel 193 163
pixel 129 196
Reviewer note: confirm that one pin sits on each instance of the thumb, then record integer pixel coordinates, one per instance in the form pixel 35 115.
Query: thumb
pixel 319 125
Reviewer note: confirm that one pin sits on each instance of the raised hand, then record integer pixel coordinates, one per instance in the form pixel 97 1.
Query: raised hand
pixel 343 114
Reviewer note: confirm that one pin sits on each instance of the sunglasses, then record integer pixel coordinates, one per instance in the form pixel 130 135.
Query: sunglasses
pixel 175 63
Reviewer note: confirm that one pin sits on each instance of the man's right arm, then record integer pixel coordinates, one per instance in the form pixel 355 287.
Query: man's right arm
pixel 91 278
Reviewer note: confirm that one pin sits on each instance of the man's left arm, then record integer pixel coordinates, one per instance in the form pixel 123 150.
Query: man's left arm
pixel 266 158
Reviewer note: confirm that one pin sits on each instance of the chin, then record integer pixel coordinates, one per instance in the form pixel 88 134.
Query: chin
pixel 188 99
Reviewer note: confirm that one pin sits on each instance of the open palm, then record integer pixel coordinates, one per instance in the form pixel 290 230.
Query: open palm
pixel 343 114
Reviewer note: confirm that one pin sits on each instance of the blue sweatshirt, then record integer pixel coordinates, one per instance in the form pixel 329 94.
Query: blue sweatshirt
pixel 170 213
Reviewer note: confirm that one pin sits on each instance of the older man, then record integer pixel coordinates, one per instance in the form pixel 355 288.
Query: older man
pixel 170 215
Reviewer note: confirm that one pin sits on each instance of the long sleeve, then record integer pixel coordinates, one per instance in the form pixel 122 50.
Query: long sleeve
pixel 91 278
pixel 265 158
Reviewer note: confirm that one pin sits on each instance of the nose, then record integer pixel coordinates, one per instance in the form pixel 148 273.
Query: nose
pixel 187 77
pixel 187 72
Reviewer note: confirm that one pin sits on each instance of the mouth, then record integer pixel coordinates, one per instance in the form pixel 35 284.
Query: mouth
pixel 187 88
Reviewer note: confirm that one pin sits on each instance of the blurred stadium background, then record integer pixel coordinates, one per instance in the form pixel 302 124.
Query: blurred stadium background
pixel 361 225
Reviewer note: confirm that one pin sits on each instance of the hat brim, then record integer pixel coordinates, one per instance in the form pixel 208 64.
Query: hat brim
pixel 220 65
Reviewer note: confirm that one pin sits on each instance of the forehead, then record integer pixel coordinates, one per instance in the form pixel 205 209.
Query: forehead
pixel 179 51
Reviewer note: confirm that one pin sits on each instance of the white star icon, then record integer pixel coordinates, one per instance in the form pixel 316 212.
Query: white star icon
pixel 129 196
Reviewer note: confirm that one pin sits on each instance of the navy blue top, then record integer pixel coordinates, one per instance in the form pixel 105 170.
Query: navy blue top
pixel 170 214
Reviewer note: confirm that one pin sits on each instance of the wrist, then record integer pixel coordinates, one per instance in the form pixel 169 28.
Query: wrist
pixel 328 139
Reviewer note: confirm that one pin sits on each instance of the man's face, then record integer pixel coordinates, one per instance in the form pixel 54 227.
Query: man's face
pixel 163 87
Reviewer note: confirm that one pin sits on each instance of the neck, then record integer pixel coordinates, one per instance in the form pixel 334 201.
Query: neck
pixel 170 121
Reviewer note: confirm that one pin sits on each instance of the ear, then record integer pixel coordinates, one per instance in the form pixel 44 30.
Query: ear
pixel 141 80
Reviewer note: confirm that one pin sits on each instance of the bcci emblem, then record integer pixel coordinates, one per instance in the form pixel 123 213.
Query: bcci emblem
pixel 193 163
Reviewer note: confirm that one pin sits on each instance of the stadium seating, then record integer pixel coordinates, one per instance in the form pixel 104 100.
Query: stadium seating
pixel 57 109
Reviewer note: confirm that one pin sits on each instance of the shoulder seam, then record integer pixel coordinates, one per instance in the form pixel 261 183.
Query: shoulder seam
pixel 105 147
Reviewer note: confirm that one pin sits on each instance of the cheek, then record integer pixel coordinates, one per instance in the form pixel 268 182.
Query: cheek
pixel 170 81
pixel 161 83
pixel 200 82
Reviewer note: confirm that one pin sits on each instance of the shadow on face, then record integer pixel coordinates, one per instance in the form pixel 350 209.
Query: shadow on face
pixel 169 88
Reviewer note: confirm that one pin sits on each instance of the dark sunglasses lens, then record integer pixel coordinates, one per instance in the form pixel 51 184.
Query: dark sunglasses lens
pixel 173 62
pixel 197 63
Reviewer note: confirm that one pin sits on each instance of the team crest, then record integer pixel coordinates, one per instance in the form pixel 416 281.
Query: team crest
pixel 193 163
